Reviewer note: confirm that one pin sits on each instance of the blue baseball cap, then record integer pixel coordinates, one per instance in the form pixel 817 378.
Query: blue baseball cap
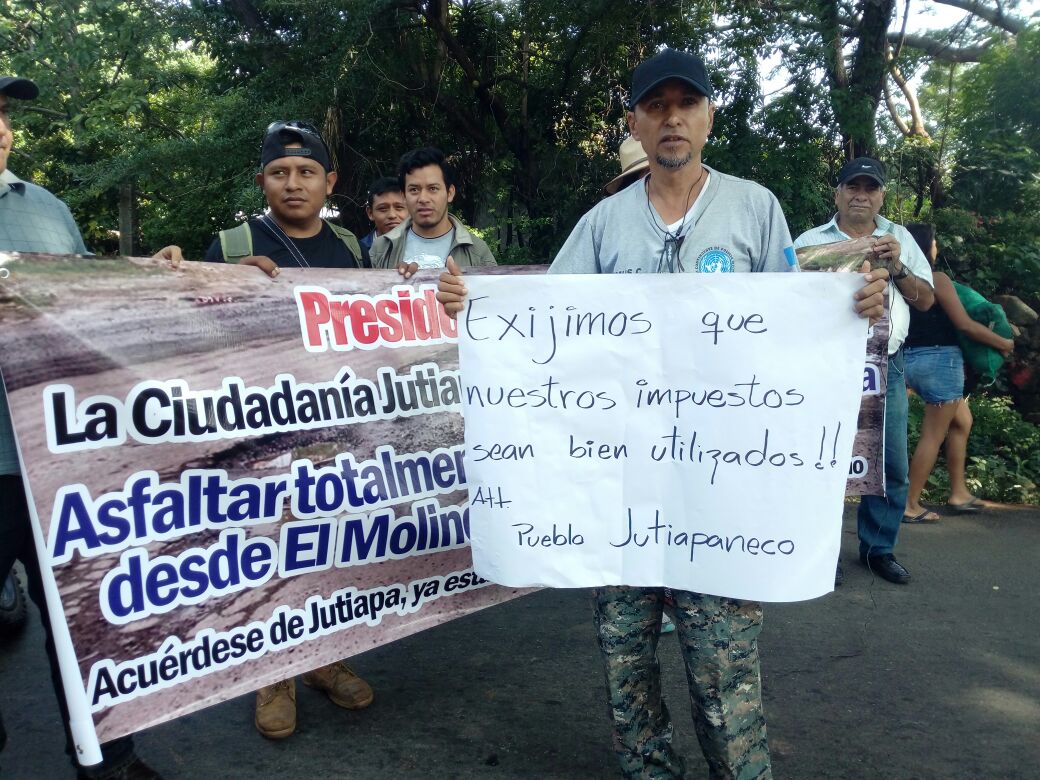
pixel 862 166
pixel 15 87
pixel 665 65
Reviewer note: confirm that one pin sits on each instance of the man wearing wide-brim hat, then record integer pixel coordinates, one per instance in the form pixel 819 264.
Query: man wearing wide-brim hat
pixel 634 165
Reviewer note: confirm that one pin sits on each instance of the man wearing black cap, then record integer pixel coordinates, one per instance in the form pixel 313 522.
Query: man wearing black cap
pixel 859 196
pixel 296 177
pixel 682 217
pixel 33 220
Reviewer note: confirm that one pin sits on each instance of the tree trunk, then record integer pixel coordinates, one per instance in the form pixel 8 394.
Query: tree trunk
pixel 127 218
pixel 855 91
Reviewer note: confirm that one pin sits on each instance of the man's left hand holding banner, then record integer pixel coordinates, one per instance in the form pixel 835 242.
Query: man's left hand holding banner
pixel 234 479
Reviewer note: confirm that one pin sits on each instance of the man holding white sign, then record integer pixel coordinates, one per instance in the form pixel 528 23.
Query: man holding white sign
pixel 683 217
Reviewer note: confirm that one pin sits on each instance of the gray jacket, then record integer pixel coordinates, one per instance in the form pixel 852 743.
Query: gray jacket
pixel 467 249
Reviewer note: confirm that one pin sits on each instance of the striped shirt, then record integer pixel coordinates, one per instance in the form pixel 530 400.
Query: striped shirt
pixel 910 255
pixel 31 220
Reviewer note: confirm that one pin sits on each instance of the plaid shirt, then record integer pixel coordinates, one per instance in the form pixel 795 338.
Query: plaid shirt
pixel 31 220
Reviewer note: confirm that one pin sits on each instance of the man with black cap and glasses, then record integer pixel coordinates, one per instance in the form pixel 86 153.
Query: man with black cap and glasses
pixel 296 177
pixel 33 220
pixel 683 217
pixel 858 197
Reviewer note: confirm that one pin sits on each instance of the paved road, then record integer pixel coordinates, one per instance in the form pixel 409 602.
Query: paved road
pixel 938 679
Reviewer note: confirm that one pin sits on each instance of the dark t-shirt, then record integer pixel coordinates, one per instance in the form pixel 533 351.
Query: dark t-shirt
pixel 324 250
pixel 931 328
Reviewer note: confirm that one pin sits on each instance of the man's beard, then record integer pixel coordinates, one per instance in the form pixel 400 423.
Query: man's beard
pixel 674 162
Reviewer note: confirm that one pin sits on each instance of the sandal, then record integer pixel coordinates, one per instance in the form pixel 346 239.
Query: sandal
pixel 925 518
pixel 968 508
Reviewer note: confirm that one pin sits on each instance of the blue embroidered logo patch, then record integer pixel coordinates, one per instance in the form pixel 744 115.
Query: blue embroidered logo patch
pixel 715 260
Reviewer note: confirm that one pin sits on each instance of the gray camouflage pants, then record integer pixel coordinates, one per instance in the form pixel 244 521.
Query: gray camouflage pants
pixel 719 642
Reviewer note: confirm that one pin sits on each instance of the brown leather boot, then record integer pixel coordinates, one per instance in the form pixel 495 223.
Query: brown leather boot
pixel 276 709
pixel 341 685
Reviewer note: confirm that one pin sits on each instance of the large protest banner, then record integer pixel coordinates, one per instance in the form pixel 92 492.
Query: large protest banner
pixel 692 431
pixel 235 479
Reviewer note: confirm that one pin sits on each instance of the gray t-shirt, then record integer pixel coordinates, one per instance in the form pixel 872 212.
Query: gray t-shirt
pixel 735 225
pixel 428 252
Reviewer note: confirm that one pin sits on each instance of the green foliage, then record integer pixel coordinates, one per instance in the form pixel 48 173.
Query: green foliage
pixel 997 111
pixel 993 254
pixel 1003 453
pixel 526 97
pixel 123 100
pixel 988 218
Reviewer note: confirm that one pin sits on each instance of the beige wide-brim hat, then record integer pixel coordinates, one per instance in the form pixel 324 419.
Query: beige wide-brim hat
pixel 633 165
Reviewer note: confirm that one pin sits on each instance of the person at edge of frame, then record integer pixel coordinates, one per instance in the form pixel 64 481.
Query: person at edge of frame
pixel 32 220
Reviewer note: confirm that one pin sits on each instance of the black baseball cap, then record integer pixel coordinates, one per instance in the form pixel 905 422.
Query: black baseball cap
pixel 293 131
pixel 863 166
pixel 668 64
pixel 23 89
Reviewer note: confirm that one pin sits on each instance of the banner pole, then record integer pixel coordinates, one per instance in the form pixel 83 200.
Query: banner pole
pixel 81 721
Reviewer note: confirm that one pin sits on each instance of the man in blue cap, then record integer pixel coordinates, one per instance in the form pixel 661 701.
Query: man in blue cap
pixel 858 198
pixel 34 220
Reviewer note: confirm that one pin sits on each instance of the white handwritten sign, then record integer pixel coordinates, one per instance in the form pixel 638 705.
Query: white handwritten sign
pixel 690 430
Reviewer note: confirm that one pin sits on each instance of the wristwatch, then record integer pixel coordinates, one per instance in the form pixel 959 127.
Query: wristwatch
pixel 903 273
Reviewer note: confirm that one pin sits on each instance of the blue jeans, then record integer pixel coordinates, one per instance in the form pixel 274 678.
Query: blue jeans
pixel 935 373
pixel 880 516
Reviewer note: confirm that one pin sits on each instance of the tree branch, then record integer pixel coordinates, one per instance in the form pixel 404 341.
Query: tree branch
pixel 941 50
pixel 916 122
pixel 45 111
pixel 490 100
pixel 247 14
pixel 902 31
pixel 994 16
pixel 893 112
pixel 833 53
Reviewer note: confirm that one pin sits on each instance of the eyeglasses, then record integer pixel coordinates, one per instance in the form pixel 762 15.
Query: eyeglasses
pixel 295 126
pixel 669 260
pixel 292 124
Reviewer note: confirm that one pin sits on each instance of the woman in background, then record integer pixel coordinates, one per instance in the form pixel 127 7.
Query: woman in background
pixel 935 371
